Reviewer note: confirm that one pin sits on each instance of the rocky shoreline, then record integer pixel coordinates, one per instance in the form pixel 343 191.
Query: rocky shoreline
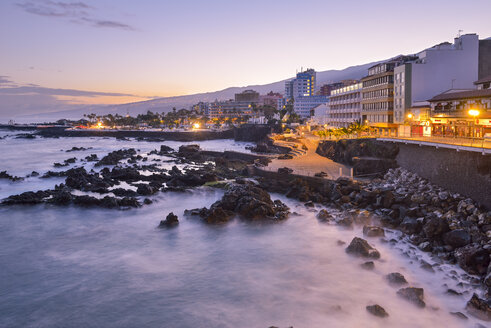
pixel 450 227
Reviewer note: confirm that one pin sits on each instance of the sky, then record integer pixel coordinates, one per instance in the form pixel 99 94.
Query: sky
pixel 57 54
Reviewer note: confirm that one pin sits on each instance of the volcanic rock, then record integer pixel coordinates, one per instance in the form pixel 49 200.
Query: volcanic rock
pixel 360 247
pixel 414 295
pixel 377 311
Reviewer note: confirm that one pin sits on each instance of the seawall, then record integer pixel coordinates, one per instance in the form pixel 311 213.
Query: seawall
pixel 465 172
pixel 165 135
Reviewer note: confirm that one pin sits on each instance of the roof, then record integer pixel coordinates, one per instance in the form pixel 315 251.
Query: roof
pixel 462 95
pixel 483 80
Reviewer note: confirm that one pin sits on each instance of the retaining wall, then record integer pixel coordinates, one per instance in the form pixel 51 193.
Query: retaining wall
pixel 465 172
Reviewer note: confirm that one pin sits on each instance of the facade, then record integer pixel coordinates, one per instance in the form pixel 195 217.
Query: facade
pixel 303 106
pixel 439 68
pixel 463 113
pixel 301 86
pixel 247 96
pixel 270 99
pixel 230 108
pixel 378 98
pixel 345 105
pixel 321 115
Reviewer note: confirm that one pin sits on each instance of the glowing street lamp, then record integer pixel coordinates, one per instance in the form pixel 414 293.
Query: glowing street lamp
pixel 409 116
pixel 473 112
pixel 196 125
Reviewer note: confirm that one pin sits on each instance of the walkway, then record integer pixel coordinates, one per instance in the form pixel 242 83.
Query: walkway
pixel 310 162
pixel 468 144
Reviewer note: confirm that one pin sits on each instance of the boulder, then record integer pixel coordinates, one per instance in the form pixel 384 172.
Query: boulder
pixel 170 221
pixel 435 226
pixel 457 238
pixel 473 258
pixel 360 247
pixel 479 308
pixel 373 231
pixel 189 149
pixel 414 295
pixel 377 311
pixel 369 265
pixel 396 278
pixel 324 215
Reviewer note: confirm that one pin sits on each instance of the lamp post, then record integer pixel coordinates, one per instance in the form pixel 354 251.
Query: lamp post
pixel 410 120
pixel 474 113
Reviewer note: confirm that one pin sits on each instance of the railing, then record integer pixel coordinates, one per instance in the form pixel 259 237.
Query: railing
pixel 481 143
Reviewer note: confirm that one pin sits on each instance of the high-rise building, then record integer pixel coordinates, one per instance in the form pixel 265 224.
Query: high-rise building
pixel 301 86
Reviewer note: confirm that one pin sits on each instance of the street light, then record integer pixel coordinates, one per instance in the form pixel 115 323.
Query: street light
pixel 474 113
pixel 409 116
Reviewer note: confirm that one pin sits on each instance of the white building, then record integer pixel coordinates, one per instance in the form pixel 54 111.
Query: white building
pixel 321 115
pixel 304 105
pixel 437 69
pixel 345 105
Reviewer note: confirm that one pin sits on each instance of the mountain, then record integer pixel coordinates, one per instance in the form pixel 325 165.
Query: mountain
pixel 167 103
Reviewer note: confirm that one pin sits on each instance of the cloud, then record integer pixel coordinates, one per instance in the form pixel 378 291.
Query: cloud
pixel 37 90
pixel 75 12
pixel 28 99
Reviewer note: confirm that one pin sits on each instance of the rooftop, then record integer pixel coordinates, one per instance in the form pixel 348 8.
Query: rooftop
pixel 450 95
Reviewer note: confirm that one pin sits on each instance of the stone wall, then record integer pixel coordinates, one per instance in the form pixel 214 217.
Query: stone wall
pixel 177 136
pixel 465 172
pixel 252 132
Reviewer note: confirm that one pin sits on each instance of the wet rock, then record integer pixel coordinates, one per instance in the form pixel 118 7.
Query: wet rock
pixel 5 175
pixel 459 315
pixel 27 198
pixel 189 149
pixel 425 246
pixel 77 149
pixel 426 266
pixel 170 221
pixel 377 311
pixel 396 278
pixel 373 231
pixel 324 215
pixel 114 157
pixel 435 227
pixel 410 226
pixel 340 243
pixel 368 265
pixel 309 204
pixel 479 308
pixel 285 170
pixel 360 247
pixel 145 190
pixel 285 156
pixel 345 221
pixel 457 238
pixel 414 295
pixel 473 258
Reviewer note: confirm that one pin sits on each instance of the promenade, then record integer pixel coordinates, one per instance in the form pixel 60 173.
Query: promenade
pixel 310 162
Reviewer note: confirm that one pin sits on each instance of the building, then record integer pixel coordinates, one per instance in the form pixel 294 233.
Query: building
pixel 325 90
pixel 230 108
pixel 201 108
pixel 250 96
pixel 320 115
pixel 270 99
pixel 463 113
pixel 345 105
pixel 439 68
pixel 377 103
pixel 301 86
pixel 303 106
